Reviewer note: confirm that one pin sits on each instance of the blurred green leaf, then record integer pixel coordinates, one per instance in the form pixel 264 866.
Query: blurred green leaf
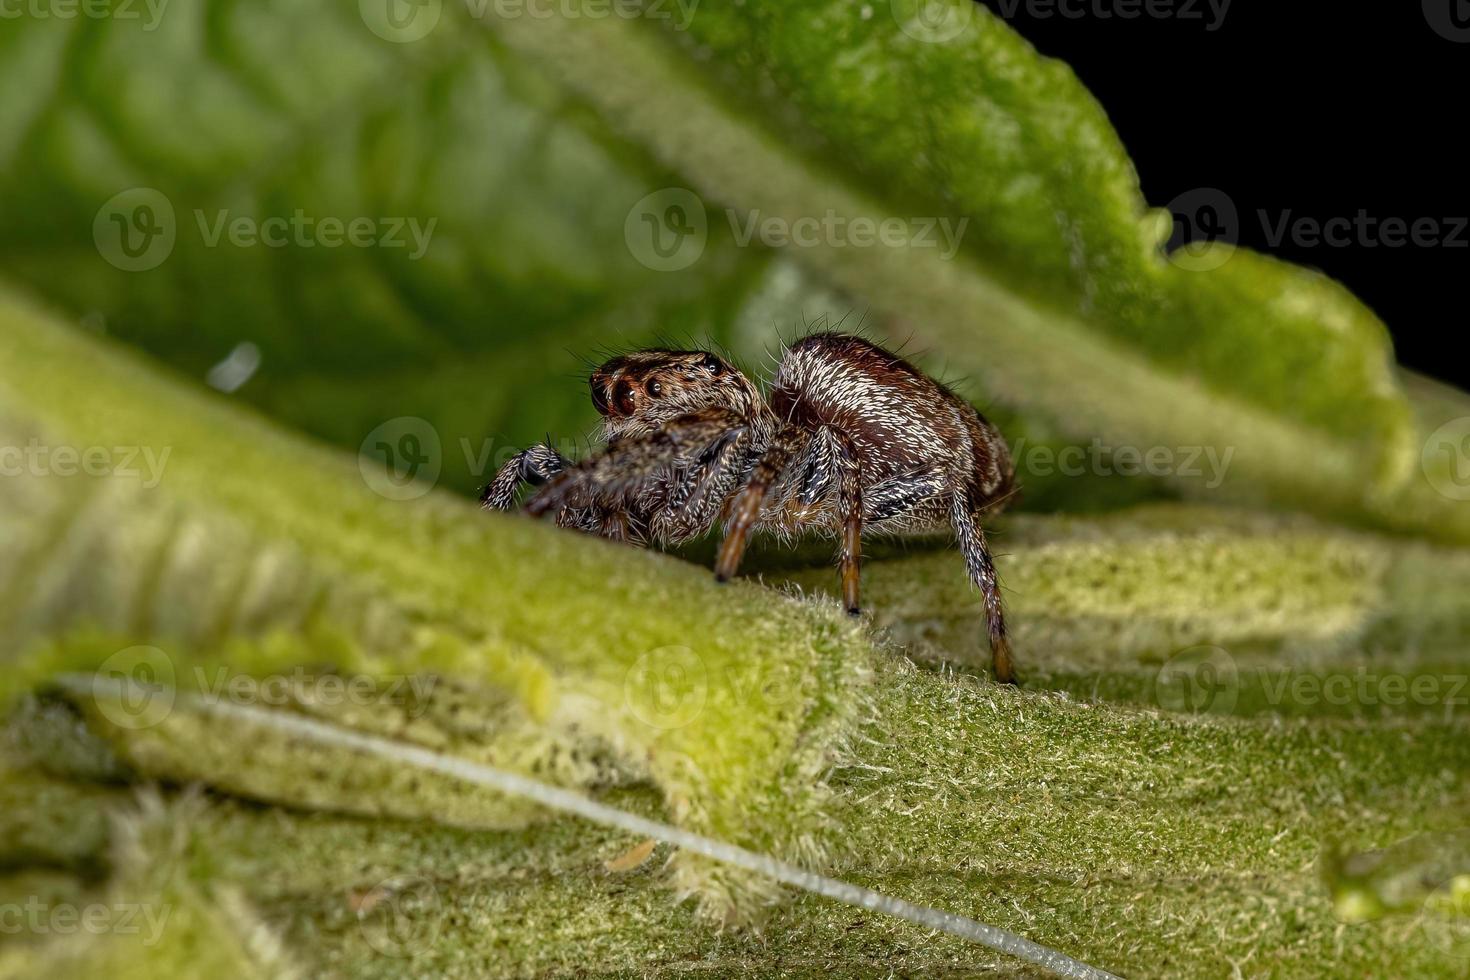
pixel 530 146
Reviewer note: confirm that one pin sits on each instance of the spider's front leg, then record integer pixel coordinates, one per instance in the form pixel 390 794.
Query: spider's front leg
pixel 698 494
pixel 534 466
pixel 610 478
pixel 747 509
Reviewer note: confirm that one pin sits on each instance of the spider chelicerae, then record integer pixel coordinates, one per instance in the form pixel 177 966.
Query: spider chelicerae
pixel 850 440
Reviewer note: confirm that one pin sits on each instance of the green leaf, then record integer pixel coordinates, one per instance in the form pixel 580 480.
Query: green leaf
pixel 533 142
pixel 255 553
pixel 247 551
pixel 1061 302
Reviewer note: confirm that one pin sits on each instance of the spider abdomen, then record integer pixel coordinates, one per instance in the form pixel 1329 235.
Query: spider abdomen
pixel 895 419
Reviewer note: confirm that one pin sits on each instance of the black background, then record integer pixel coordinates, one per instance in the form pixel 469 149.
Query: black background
pixel 1322 109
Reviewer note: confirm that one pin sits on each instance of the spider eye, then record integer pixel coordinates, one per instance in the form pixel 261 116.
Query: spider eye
pixel 654 388
pixel 623 404
pixel 714 365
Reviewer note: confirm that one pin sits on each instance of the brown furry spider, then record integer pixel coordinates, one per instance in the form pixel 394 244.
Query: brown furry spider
pixel 851 440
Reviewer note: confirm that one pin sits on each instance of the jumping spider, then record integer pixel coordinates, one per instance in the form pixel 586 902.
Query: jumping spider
pixel 851 439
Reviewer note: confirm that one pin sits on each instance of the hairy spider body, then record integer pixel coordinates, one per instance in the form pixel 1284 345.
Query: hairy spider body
pixel 851 440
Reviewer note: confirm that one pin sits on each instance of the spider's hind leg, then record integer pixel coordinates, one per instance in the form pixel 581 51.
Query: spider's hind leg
pixel 914 501
pixel 850 513
pixel 978 562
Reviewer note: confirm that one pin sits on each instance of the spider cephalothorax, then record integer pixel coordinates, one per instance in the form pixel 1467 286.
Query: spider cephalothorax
pixel 639 392
pixel 851 440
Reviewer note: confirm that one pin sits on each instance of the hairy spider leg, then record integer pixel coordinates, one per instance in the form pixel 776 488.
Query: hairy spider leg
pixel 624 466
pixel 746 511
pixel 982 572
pixel 534 466
pixel 699 492
pixel 902 502
pixel 850 513
pixel 829 469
